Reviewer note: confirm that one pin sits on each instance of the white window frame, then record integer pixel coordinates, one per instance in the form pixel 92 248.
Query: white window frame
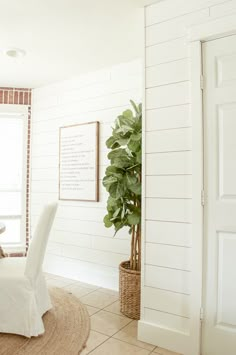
pixel 20 111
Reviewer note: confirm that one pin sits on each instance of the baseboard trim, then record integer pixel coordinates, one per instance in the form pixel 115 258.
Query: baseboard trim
pixel 164 338
pixel 94 274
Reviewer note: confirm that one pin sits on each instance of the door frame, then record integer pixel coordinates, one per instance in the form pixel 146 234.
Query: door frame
pixel 197 35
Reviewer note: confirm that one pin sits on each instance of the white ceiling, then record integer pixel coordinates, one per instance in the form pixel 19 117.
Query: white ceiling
pixel 64 38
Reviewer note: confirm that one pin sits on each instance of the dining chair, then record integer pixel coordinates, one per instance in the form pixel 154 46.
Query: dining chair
pixel 24 297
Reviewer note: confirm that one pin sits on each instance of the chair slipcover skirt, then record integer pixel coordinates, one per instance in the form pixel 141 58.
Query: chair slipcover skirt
pixel 22 301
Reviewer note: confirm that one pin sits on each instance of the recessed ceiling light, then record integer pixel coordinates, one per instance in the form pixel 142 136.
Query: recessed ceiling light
pixel 14 52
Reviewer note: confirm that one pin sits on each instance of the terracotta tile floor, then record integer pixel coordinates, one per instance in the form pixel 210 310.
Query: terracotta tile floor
pixel 111 332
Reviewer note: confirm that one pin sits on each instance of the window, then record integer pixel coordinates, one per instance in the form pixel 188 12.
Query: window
pixel 13 154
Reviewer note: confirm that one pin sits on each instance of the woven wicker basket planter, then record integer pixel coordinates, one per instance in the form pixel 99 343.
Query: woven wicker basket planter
pixel 130 288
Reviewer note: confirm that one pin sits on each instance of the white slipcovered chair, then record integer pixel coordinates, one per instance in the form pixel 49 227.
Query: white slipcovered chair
pixel 24 296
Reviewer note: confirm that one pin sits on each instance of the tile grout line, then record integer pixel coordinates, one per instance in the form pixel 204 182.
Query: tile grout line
pixel 103 309
pixel 112 336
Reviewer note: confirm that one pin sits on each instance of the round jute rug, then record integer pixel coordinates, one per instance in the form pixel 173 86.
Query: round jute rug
pixel 67 328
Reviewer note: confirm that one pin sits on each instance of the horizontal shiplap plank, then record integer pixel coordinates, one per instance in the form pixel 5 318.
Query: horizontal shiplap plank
pixel 53 149
pixel 169 163
pixel 84 93
pixel 36 208
pixel 45 138
pixel 169 186
pixel 88 227
pixel 168 256
pixel 54 247
pixel 52 186
pixel 48 130
pixel 43 197
pixel 170 210
pixel 176 28
pixel 50 161
pixel 61 118
pixel 44 102
pixel 45 149
pixel 168 279
pixel 125 70
pixel 169 140
pixel 119 245
pixel 166 52
pixel 91 228
pixel 94 91
pixel 95 274
pixel 116 244
pixel 165 301
pixel 45 186
pixel 169 233
pixel 44 174
pixel 93 256
pixel 69 212
pixel 168 117
pixel 79 107
pixel 167 95
pixel 167 321
pixel 168 9
pixel 226 8
pixel 74 83
pixel 167 73
pixel 71 238
pixel 51 127
pixel 81 213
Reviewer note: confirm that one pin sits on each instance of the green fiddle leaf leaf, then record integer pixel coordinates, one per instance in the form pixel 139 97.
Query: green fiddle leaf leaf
pixel 125 129
pixel 117 153
pixel 117 190
pixel 136 188
pixel 112 205
pixel 128 114
pixel 121 162
pixel 111 143
pixel 134 218
pixel 123 141
pixel 118 225
pixel 134 106
pixel 134 146
pixel 130 178
pixel 122 212
pixel 107 221
pixel 139 157
pixel 136 137
pixel 116 212
pixel 108 181
pixel 112 170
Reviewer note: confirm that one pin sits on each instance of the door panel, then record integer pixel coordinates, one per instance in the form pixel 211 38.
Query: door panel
pixel 226 70
pixel 226 308
pixel 219 325
pixel 227 150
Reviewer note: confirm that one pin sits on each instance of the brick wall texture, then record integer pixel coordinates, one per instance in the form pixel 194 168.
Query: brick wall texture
pixel 15 96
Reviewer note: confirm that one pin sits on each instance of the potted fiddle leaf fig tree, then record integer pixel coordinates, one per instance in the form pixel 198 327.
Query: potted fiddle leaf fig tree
pixel 123 182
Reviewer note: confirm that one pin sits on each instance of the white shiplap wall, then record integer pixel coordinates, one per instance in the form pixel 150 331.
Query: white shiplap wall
pixel 166 289
pixel 80 246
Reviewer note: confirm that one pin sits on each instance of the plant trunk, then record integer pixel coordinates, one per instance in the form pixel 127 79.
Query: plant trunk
pixel 135 257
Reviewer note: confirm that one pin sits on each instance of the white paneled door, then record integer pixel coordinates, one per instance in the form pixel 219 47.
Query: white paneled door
pixel 219 325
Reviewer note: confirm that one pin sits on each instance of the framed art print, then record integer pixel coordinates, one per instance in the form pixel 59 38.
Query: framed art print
pixel 79 162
